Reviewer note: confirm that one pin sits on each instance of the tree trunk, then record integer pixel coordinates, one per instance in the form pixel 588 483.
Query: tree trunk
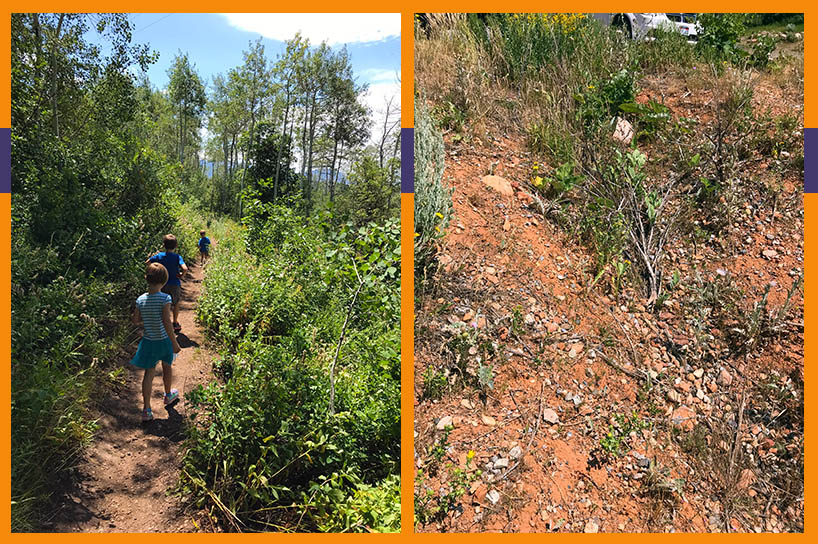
pixel 312 141
pixel 281 144
pixel 55 113
pixel 304 141
pixel 289 157
pixel 332 172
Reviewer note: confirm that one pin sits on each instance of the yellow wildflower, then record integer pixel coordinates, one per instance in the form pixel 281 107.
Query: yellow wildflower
pixel 537 181
pixel 470 455
pixel 439 215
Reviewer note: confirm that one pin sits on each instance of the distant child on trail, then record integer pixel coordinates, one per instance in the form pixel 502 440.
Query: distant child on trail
pixel 176 268
pixel 158 340
pixel 204 246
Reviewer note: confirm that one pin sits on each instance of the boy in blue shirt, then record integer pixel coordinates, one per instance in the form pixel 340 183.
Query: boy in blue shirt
pixel 204 246
pixel 177 268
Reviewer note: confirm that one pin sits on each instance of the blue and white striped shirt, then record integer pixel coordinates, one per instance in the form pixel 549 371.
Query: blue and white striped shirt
pixel 150 308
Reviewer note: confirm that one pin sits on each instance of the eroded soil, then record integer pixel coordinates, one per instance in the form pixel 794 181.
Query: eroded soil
pixel 603 414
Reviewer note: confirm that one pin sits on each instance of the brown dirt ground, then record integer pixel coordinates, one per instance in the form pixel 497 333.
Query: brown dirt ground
pixel 501 257
pixel 124 483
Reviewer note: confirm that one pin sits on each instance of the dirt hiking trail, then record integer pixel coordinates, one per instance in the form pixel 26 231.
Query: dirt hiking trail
pixel 123 483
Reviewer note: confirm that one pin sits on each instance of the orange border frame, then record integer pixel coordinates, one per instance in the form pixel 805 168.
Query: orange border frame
pixel 407 8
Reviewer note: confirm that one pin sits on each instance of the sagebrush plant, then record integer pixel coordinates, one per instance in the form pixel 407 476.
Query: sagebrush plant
pixel 266 448
pixel 433 200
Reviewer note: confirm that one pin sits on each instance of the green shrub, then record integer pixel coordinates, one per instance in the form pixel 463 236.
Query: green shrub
pixel 761 51
pixel 650 118
pixel 720 33
pixel 267 450
pixel 598 104
pixel 433 201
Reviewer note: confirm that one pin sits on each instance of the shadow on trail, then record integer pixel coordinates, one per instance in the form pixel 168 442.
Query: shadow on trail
pixel 185 342
pixel 172 427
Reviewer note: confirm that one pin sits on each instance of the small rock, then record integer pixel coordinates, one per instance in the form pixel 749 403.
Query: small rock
pixel 516 452
pixel 623 134
pixel 591 526
pixel 445 421
pixel 501 463
pixel 550 416
pixel 493 496
pixel 724 379
pixel 466 403
pixel 746 479
pixel 674 396
pixel 501 185
pixel 684 418
pixel 488 420
pixel 698 373
pixel 770 253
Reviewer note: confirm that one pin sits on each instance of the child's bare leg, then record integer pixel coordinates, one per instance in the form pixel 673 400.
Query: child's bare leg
pixel 167 376
pixel 147 385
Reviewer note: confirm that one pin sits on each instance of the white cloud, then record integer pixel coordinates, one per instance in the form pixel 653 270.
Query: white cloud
pixel 334 28
pixel 379 75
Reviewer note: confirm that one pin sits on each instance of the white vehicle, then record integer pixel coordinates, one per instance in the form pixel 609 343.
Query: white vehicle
pixel 687 24
pixel 636 26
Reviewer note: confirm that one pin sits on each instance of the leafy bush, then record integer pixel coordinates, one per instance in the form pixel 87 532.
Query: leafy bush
pixel 720 33
pixel 597 104
pixel 650 118
pixel 295 438
pixel 761 51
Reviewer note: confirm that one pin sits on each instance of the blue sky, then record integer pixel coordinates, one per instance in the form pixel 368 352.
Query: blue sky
pixel 215 42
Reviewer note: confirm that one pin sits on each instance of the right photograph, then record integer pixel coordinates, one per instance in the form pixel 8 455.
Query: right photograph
pixel 609 264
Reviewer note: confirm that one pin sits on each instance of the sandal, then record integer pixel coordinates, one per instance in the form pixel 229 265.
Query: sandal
pixel 147 415
pixel 177 327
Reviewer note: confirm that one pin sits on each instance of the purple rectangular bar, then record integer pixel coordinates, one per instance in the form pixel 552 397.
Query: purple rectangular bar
pixel 407 160
pixel 810 160
pixel 5 160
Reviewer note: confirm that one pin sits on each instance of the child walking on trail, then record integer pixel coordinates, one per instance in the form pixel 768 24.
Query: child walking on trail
pixel 204 246
pixel 176 268
pixel 158 340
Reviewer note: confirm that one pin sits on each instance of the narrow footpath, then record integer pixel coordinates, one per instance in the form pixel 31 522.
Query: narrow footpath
pixel 123 483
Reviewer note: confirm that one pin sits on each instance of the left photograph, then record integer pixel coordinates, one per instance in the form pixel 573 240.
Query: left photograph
pixel 205 272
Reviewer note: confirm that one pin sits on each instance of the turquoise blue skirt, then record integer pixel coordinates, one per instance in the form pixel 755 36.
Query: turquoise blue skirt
pixel 151 352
